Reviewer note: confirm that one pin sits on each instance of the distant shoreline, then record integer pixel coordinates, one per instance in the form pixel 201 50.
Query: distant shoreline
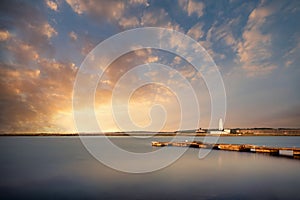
pixel 192 132
pixel 149 134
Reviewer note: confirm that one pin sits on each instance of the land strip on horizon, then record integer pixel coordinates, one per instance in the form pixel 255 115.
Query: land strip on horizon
pixel 205 132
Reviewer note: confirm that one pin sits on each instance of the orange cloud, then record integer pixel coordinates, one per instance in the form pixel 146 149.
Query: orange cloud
pixel 113 10
pixel 192 7
pixel 52 5
pixel 4 35
pixel 31 96
pixel 129 22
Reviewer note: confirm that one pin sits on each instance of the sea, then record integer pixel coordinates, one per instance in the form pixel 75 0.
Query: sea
pixel 61 167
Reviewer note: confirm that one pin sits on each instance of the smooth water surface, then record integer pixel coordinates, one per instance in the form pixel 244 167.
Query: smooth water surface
pixel 61 168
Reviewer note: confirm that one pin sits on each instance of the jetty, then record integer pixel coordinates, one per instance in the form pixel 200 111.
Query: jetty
pixel 291 152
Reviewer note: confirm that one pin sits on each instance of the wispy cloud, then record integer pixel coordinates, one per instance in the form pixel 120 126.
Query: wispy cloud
pixel 196 31
pixel 291 56
pixel 254 50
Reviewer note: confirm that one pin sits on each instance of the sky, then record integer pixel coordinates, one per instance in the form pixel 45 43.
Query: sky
pixel 254 44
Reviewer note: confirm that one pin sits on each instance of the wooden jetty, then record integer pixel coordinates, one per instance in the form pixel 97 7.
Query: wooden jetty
pixel 274 151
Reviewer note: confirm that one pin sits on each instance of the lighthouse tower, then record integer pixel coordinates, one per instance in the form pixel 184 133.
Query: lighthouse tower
pixel 221 128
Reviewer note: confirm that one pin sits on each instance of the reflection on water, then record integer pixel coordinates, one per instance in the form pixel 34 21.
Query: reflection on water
pixel 60 167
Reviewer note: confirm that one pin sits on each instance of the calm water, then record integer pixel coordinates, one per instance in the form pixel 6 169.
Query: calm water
pixel 61 168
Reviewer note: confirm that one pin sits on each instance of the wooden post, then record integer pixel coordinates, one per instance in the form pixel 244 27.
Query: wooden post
pixel 296 154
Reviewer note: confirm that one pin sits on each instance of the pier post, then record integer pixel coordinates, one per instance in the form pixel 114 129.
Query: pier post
pixel 296 154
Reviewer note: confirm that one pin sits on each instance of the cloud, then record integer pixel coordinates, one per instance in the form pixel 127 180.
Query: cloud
pixel 291 56
pixel 33 30
pixel 263 69
pixel 254 50
pixel 122 13
pixel 110 10
pixel 23 53
pixel 34 87
pixel 73 36
pixel 158 18
pixel 29 97
pixel 124 63
pixel 36 78
pixel 192 7
pixel 224 33
pixel 142 115
pixel 139 2
pixel 88 45
pixel 208 42
pixel 129 22
pixel 220 41
pixel 52 5
pixel 177 60
pixel 196 31
pixel 77 6
pixel 4 35
pixel 46 29
pixel 142 99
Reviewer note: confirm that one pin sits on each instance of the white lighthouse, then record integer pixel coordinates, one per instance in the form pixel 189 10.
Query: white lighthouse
pixel 221 128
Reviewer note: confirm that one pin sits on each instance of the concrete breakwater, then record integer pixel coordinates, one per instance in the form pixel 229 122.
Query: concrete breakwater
pixel 292 152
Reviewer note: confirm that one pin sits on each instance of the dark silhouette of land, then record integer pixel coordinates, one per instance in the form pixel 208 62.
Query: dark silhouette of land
pixel 193 132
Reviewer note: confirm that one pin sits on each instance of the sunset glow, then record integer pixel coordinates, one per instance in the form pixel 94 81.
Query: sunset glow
pixel 255 45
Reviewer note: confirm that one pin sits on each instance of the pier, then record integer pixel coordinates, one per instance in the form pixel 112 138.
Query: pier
pixel 291 152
